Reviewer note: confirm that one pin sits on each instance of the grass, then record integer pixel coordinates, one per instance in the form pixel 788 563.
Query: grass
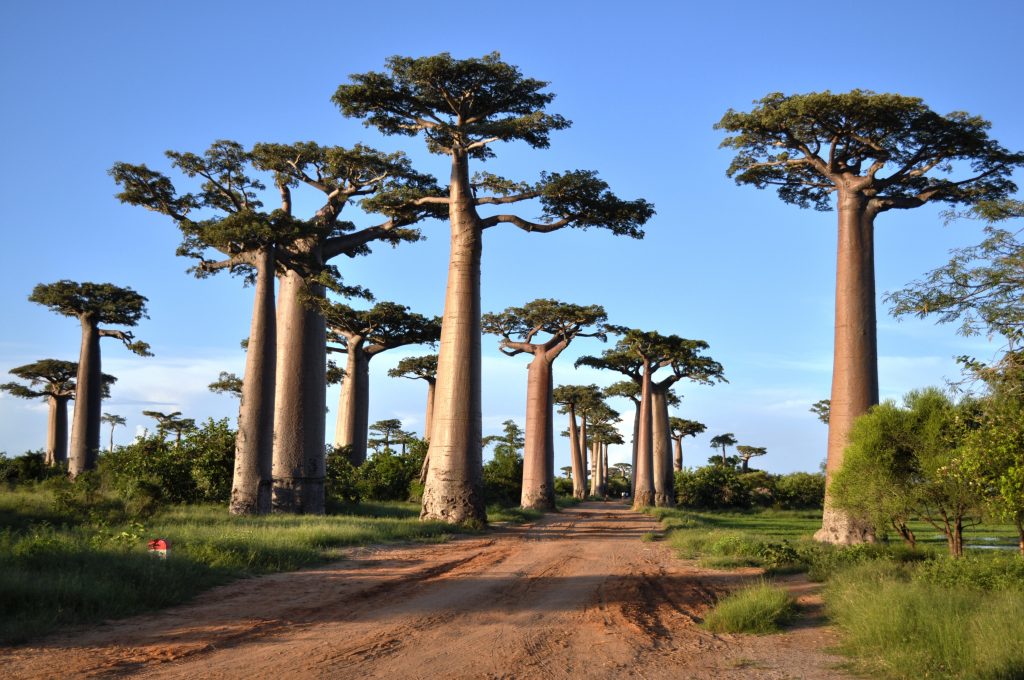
pixel 759 609
pixel 62 568
pixel 903 613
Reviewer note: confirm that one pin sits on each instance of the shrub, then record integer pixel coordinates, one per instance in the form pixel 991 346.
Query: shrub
pixel 711 486
pixel 29 467
pixel 503 478
pixel 563 486
pixel 760 609
pixel 386 476
pixel 211 450
pixel 800 491
pixel 342 481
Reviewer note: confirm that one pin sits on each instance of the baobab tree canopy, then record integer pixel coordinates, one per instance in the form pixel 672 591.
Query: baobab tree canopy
pixel 45 378
pixel 421 368
pixel 101 303
pixel 520 326
pixel 894 149
pixel 383 326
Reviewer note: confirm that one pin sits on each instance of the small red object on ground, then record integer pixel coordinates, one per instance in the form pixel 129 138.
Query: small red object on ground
pixel 160 547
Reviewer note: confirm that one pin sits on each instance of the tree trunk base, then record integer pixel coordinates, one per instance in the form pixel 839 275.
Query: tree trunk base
pixel 538 499
pixel 664 500
pixel 298 496
pixel 247 504
pixel 643 499
pixel 579 494
pixel 838 528
pixel 454 504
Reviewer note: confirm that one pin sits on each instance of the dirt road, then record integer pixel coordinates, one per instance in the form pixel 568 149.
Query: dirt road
pixel 576 595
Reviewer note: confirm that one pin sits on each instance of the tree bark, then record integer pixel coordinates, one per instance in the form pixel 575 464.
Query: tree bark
pixel 582 453
pixel 86 423
pixel 604 470
pixel 643 496
pixel 661 449
pixel 539 449
pixel 300 401
pixel 578 489
pixel 677 462
pixel 57 431
pixel 353 423
pixel 855 360
pixel 636 447
pixel 428 420
pixel 251 486
pixel 454 487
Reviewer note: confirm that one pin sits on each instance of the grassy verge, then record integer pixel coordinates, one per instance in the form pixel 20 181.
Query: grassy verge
pixel 903 614
pixel 760 609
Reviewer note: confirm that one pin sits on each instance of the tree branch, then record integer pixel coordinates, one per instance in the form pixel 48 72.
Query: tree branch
pixel 525 225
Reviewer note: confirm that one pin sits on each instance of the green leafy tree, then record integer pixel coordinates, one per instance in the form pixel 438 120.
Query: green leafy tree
pixel 680 429
pixel 907 462
pixel 503 474
pixel 113 420
pixel 823 409
pixel 171 422
pixel 361 335
pixel 227 383
pixel 724 441
pixel 54 381
pixel 420 368
pixel 387 432
pixel 462 107
pixel 543 329
pixel 874 153
pixel 748 452
pixel 577 400
pixel 92 304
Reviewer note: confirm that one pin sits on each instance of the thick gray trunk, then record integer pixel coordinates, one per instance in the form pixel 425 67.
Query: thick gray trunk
pixel 57 431
pixel 643 495
pixel 353 424
pixel 454 488
pixel 855 360
pixel 578 488
pixel 86 423
pixel 428 420
pixel 677 461
pixel 582 453
pixel 254 446
pixel 300 401
pixel 661 453
pixel 539 449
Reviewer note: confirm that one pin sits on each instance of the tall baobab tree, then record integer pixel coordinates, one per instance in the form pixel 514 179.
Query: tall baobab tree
pixel 577 400
pixel 874 153
pixel 387 431
pixel 420 368
pixel 543 329
pixel 630 389
pixel 602 433
pixel 171 422
pixel 680 428
pixel 638 355
pixel 724 441
pixel 54 381
pixel 748 452
pixel 361 335
pixel 282 410
pixel 113 420
pixel 92 304
pixel 462 107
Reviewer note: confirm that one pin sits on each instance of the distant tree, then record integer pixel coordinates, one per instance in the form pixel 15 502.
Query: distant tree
pixel 54 381
pixel 748 452
pixel 603 434
pixel 680 428
pixel 577 400
pixel 462 107
pixel 822 408
pixel 567 471
pixel 875 153
pixel 724 441
pixel 227 383
pixel 626 469
pixel 92 304
pixel 543 329
pixel 361 335
pixel 420 368
pixel 388 431
pixel 113 420
pixel 171 422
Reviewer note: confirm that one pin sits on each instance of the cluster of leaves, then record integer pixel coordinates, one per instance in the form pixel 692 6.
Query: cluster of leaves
pixel 29 467
pixel 503 474
pixel 719 486
pixel 385 476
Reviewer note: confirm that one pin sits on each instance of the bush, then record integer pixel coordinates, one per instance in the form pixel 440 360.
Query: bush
pixel 503 478
pixel 616 487
pixel 760 609
pixel 563 486
pixel 759 487
pixel 386 476
pixel 711 486
pixel 211 450
pixel 29 467
pixel 800 491
pixel 342 480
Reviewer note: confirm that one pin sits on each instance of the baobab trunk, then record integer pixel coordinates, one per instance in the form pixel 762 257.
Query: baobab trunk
pixel 636 447
pixel 661 450
pixel 300 400
pixel 454 486
pixel 539 449
pixel 582 453
pixel 578 489
pixel 254 446
pixel 57 432
pixel 428 420
pixel 595 469
pixel 677 462
pixel 353 423
pixel 85 425
pixel 855 361
pixel 604 470
pixel 643 495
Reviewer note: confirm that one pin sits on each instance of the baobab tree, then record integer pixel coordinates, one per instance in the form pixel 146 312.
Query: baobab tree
pixel 543 329
pixel 748 452
pixel 361 335
pixel 171 422
pixel 388 431
pixel 724 441
pixel 113 420
pixel 92 304
pixel 638 355
pixel 602 433
pixel 577 400
pixel 681 428
pixel 874 153
pixel 227 383
pixel 420 368
pixel 462 107
pixel 54 381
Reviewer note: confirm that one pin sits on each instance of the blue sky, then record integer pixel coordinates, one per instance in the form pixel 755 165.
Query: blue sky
pixel 89 84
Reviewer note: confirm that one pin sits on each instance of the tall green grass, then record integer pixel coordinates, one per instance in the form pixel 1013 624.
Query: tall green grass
pixel 760 609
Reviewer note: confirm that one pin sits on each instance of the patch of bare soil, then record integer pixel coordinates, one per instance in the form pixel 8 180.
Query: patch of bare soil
pixel 577 594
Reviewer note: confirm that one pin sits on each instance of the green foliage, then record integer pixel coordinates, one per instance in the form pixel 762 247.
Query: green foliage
pixel 104 303
pixel 26 468
pixel 421 367
pixel 384 326
pixel 823 409
pixel 711 486
pixel 561 321
pixel 799 490
pixel 503 474
pixel 342 478
pixel 563 486
pixel 759 609
pixel 617 486
pixel 386 476
pixel 227 383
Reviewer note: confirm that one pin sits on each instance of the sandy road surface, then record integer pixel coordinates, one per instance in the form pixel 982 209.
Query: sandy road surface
pixel 576 595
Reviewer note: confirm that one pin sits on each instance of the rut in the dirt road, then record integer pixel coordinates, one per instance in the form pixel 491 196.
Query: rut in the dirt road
pixel 578 594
